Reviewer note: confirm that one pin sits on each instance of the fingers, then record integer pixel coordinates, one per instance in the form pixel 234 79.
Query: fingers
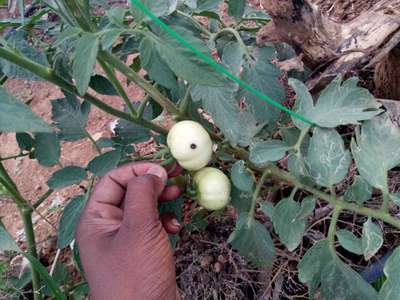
pixel 111 188
pixel 170 193
pixel 140 204
pixel 170 223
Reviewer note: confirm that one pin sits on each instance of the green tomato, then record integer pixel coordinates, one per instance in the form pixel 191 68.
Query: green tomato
pixel 190 144
pixel 213 188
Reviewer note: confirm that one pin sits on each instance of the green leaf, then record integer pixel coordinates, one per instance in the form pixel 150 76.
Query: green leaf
pixel 290 136
pixel 241 177
pixel 85 56
pixel 395 198
pixel 154 64
pixel 18 117
pixel 116 15
pixel 349 241
pixel 16 40
pixel 129 133
pixel 221 104
pixel 375 150
pixel 254 73
pixel 327 159
pixel 25 141
pixel 102 85
pixel 236 8
pixel 341 103
pixel 307 207
pixel 372 239
pixel 297 167
pixel 7 243
pixel 268 209
pixel 70 117
pixel 391 288
pixel 241 200
pixel 321 268
pixel 109 37
pixel 183 62
pixel 69 221
pixel 103 163
pixel 265 152
pixel 233 57
pixel 47 149
pixel 66 177
pixel 359 192
pixel 60 276
pixel 159 8
pixel 289 228
pixel 253 241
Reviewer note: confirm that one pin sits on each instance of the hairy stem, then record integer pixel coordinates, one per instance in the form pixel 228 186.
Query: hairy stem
pixel 140 81
pixel 117 85
pixel 49 75
pixel 256 193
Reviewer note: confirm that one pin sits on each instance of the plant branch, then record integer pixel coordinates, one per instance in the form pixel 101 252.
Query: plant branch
pixel 141 82
pixel 299 143
pixel 42 198
pixel 14 156
pixel 256 193
pixel 333 224
pixel 117 85
pixel 49 75
pixel 386 201
pixel 89 136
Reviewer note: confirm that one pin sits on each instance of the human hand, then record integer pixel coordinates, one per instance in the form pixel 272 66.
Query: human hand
pixel 123 243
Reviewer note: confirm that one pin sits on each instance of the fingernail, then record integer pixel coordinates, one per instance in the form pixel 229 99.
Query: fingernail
pixel 159 172
pixel 176 223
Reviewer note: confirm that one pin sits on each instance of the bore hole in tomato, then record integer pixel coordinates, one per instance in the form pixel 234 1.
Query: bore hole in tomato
pixel 193 146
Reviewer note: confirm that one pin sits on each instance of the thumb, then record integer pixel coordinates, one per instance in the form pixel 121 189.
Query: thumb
pixel 141 198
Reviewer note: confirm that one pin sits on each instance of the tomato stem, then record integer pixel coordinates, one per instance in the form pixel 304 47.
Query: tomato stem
pixel 256 193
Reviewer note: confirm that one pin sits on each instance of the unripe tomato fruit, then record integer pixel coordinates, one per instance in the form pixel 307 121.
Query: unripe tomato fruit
pixel 213 188
pixel 190 144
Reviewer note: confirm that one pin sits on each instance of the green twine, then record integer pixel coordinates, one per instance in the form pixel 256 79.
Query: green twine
pixel 219 68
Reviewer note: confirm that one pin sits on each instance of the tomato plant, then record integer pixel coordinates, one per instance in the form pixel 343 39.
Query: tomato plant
pixel 279 166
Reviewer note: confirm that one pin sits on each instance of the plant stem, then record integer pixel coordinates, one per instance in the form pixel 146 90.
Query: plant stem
pixel 26 214
pixel 93 141
pixel 302 136
pixel 142 106
pixel 196 23
pixel 141 82
pixel 48 75
pixel 386 201
pixel 13 157
pixel 183 106
pixel 333 224
pixel 117 85
pixel 42 198
pixel 256 193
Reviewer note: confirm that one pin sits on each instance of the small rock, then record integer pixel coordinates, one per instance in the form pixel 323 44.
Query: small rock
pixel 206 261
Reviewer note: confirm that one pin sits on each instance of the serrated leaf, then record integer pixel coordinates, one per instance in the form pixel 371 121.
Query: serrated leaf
pixel 102 85
pixel 47 149
pixel 395 198
pixel 372 239
pixel 391 288
pixel 183 62
pixel 341 103
pixel 221 104
pixel 321 268
pixel 375 150
pixel 233 57
pixel 236 8
pixel 15 116
pixel 70 117
pixel 254 73
pixel 349 241
pixel 253 241
pixel 69 221
pixel 327 160
pixel 160 8
pixel 265 152
pixel 25 141
pixel 289 228
pixel 105 162
pixel 359 192
pixel 241 177
pixel 129 133
pixel 66 177
pixel 7 243
pixel 153 63
pixel 16 40
pixel 85 56
pixel 240 200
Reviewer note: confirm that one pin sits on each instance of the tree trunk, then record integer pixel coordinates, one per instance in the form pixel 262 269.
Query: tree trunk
pixel 331 47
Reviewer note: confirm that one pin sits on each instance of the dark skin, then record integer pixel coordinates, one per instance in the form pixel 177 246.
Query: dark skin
pixel 124 245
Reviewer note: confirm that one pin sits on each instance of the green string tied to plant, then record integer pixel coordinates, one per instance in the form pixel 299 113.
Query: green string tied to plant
pixel 219 68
